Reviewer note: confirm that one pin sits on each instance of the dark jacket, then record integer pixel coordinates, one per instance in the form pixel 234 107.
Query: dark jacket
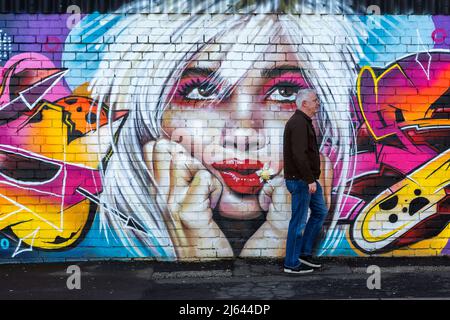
pixel 300 149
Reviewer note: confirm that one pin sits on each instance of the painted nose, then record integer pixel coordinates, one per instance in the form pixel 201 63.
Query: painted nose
pixel 244 139
pixel 244 130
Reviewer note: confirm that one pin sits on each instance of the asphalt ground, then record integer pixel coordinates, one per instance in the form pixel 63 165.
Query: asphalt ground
pixel 228 280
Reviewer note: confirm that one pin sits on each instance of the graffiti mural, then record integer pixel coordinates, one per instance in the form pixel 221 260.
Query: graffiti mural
pixel 407 147
pixel 160 135
pixel 48 180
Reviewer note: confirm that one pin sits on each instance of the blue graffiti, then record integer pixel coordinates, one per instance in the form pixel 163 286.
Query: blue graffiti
pixel 4 244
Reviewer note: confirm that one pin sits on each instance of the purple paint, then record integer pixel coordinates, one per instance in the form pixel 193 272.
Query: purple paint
pixel 441 34
pixel 50 30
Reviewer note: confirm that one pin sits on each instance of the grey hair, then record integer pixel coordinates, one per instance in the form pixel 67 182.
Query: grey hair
pixel 302 95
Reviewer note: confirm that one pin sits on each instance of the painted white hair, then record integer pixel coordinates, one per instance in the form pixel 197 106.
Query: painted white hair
pixel 138 77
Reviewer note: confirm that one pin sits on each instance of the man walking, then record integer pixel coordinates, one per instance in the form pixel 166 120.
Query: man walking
pixel 301 172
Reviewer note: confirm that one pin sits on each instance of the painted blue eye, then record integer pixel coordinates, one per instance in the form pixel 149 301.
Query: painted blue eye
pixel 200 90
pixel 203 93
pixel 283 92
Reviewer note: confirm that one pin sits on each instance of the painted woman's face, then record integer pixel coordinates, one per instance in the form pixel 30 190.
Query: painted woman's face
pixel 229 109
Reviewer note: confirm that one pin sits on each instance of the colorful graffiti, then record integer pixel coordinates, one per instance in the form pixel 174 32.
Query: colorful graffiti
pixel 47 176
pixel 408 149
pixel 160 136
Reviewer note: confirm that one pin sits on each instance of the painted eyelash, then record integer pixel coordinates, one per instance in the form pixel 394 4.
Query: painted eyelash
pixel 187 88
pixel 281 84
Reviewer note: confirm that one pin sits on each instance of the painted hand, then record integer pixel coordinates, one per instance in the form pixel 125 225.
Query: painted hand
pixel 190 192
pixel 275 199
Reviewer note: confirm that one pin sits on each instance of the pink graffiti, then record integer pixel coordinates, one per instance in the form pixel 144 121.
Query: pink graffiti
pixel 439 36
pixel 64 185
pixel 31 68
pixel 28 79
pixel 393 124
pixel 53 44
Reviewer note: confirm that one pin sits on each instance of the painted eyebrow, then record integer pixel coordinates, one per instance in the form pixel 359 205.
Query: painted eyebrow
pixel 278 71
pixel 265 73
pixel 197 71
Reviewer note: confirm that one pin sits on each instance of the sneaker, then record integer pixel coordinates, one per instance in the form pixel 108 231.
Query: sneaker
pixel 310 262
pixel 300 269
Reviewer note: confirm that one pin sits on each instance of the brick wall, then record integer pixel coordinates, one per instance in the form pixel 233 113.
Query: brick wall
pixel 160 135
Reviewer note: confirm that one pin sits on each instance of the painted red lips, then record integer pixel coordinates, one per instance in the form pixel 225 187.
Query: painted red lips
pixel 240 175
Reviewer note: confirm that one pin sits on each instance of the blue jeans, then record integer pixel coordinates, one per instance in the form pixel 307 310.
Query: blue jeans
pixel 301 243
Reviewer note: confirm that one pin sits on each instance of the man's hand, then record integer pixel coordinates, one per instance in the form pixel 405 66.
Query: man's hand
pixel 312 187
pixel 190 192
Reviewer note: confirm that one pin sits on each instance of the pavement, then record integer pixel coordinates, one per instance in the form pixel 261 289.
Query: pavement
pixel 249 279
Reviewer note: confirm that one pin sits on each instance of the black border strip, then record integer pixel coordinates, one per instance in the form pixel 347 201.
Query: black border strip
pixel 418 7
